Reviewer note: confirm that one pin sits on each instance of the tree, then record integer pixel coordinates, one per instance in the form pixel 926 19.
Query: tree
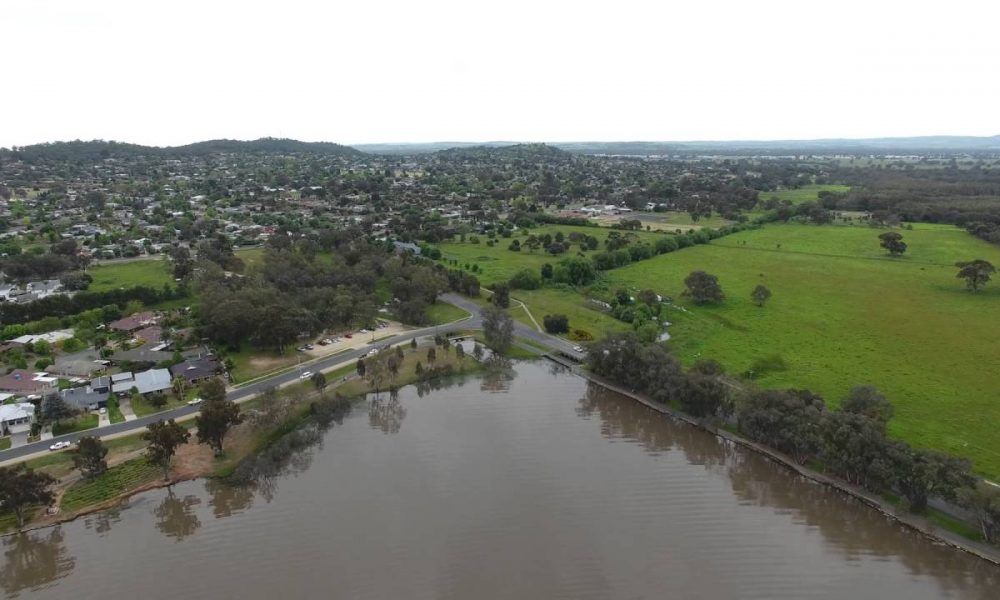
pixel 89 457
pixel 703 287
pixel 477 351
pixel 164 437
pixel 501 295
pixel 460 353
pixel 556 323
pixel 893 242
pixel 179 386
pixel 546 271
pixel 703 393
pixel 867 401
pixel 498 328
pixel 212 390
pixel 217 417
pixel 319 381
pixel 413 343
pixel 54 409
pixel 431 355
pixel 21 487
pixel 983 500
pixel 760 295
pixel 921 474
pixel 787 420
pixel 976 273
pixel 360 367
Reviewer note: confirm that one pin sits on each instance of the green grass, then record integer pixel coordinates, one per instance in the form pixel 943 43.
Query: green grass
pixel 142 407
pixel 152 273
pixel 805 193
pixel 81 423
pixel 582 313
pixel 244 368
pixel 843 314
pixel 114 412
pixel 251 257
pixel 112 483
pixel 500 264
pixel 441 313
pixel 4 443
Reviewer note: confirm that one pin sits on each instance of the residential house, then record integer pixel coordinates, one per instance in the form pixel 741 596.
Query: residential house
pixel 197 369
pixel 147 382
pixel 134 322
pixel 85 363
pixel 84 398
pixel 16 418
pixel 25 383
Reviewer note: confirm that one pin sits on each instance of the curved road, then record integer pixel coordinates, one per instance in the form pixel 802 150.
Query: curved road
pixel 248 391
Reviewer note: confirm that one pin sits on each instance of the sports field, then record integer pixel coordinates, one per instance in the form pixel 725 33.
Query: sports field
pixel 843 313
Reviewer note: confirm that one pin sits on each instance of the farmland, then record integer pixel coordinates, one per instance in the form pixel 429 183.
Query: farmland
pixel 844 313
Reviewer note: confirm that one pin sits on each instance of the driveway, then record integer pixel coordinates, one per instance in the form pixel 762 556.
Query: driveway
pixel 125 405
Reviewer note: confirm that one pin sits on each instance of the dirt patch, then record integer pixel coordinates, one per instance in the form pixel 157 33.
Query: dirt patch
pixel 192 460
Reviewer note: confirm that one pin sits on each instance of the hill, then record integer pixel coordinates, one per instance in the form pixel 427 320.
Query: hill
pixel 99 149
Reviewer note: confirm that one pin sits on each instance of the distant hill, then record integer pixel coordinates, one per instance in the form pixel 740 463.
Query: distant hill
pixel 426 147
pixel 100 149
pixel 896 145
pixel 522 151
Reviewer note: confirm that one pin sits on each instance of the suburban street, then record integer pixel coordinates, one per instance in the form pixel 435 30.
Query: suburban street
pixel 248 391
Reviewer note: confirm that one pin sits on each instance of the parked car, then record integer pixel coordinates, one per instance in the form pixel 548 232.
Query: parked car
pixel 309 346
pixel 60 446
pixel 195 401
pixel 363 331
pixel 323 342
pixel 306 375
pixel 578 348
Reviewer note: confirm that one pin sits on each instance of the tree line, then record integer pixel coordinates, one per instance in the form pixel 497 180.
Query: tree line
pixel 850 442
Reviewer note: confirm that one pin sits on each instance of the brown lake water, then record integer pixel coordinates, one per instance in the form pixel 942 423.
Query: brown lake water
pixel 539 486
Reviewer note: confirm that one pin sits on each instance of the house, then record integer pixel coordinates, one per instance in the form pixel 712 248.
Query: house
pixel 16 418
pixel 51 337
pixel 407 247
pixel 151 335
pixel 101 384
pixel 146 382
pixel 25 382
pixel 85 363
pixel 196 369
pixel 84 398
pixel 134 322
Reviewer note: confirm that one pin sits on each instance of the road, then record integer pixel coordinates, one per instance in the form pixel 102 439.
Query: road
pixel 244 393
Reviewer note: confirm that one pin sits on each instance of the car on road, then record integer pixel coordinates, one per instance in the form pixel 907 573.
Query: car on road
pixel 195 401
pixel 577 348
pixel 59 446
pixel 306 375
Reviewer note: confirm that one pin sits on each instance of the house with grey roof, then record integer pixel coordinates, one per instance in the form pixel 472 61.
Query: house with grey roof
pixel 84 398
pixel 147 382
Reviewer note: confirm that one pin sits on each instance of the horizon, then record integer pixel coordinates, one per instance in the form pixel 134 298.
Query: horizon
pixel 518 141
pixel 447 70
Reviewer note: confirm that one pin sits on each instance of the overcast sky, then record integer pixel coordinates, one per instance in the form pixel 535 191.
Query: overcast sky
pixel 174 72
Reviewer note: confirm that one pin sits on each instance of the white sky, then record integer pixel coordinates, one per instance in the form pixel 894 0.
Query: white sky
pixel 178 71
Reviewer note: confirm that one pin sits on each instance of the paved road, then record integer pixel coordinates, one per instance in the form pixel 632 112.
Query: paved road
pixel 248 391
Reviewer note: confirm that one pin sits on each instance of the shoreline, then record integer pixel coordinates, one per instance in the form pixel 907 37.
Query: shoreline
pixel 914 522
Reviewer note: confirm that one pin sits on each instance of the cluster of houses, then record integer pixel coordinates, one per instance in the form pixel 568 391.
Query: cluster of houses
pixel 91 377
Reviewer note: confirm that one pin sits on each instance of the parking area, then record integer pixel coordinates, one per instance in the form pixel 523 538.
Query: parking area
pixel 332 344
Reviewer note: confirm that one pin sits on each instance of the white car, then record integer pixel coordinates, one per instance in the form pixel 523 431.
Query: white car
pixel 363 331
pixel 578 348
pixel 306 375
pixel 60 446
pixel 195 401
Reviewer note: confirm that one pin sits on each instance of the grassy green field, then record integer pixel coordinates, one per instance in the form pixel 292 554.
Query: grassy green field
pixel 500 264
pixel 440 313
pixel 582 313
pixel 81 423
pixel 843 313
pixel 805 193
pixel 150 273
